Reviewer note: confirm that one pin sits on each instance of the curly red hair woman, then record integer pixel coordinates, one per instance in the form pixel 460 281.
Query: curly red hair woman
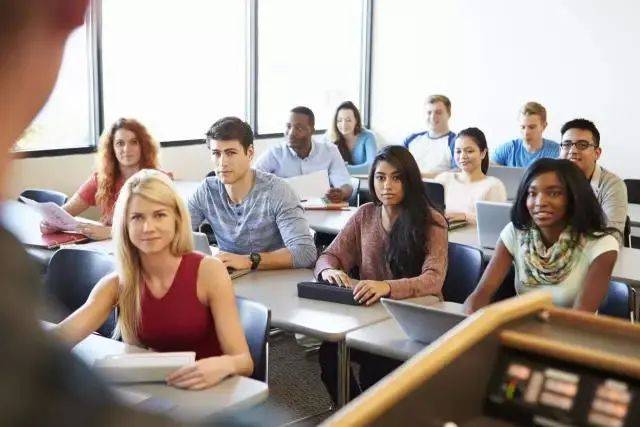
pixel 125 148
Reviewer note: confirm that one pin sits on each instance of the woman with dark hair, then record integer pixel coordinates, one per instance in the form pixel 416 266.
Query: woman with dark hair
pixel 356 144
pixel 124 148
pixel 397 245
pixel 557 241
pixel 465 188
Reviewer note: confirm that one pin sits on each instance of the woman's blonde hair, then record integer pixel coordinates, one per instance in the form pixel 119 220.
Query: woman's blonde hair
pixel 156 187
pixel 107 163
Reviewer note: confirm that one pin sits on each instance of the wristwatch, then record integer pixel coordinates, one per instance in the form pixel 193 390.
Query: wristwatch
pixel 255 260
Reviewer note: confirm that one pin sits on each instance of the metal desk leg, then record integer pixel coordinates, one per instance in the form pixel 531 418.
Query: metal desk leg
pixel 343 373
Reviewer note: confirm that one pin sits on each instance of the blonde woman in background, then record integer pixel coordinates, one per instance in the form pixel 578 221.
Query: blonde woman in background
pixel 169 297
pixel 124 149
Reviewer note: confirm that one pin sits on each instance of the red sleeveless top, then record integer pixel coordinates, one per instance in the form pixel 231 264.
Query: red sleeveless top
pixel 179 321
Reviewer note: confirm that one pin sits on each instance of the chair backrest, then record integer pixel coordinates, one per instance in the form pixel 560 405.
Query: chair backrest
pixel 355 195
pixel 42 196
pixel 633 190
pixel 72 274
pixel 256 322
pixel 617 303
pixel 463 274
pixel 626 237
pixel 507 288
pixel 435 193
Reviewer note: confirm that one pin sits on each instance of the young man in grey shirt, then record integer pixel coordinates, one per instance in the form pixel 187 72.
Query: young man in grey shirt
pixel 581 144
pixel 256 217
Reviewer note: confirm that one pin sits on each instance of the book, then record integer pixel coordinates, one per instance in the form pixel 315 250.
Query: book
pixel 54 240
pixel 142 367
pixel 323 204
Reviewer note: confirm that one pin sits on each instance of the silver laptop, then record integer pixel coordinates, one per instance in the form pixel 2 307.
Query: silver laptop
pixel 421 323
pixel 492 217
pixel 201 244
pixel 510 177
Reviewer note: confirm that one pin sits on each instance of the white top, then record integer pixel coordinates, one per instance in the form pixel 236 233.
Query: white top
pixel 565 292
pixel 432 155
pixel 462 197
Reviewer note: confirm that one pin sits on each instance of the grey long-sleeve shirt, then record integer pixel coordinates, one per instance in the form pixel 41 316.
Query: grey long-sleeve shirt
pixel 611 193
pixel 269 218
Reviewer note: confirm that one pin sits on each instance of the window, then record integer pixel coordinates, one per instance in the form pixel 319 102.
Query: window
pixel 309 54
pixel 175 66
pixel 65 120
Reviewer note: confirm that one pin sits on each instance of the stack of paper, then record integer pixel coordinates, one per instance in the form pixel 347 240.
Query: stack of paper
pixel 53 214
pixel 142 367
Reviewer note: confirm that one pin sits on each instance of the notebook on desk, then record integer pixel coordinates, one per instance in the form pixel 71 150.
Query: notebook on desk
pixel 142 367
pixel 452 225
pixel 323 204
pixel 421 323
pixel 55 240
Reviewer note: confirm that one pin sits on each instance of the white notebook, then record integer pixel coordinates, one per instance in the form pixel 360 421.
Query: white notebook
pixel 142 367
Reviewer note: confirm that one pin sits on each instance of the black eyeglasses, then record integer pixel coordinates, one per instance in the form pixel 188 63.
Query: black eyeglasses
pixel 580 145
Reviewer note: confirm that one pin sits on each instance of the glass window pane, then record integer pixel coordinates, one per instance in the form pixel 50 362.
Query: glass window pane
pixel 175 66
pixel 308 54
pixel 64 121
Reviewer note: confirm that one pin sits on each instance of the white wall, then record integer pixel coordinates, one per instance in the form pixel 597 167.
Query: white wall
pixel 579 58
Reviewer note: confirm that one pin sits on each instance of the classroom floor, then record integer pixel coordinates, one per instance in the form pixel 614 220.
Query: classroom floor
pixel 297 397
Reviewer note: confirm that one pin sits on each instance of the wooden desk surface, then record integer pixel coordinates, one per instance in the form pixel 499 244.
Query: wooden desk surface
pixel 325 320
pixel 387 339
pixel 232 394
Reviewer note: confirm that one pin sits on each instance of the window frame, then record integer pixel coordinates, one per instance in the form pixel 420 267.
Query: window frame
pixel 95 67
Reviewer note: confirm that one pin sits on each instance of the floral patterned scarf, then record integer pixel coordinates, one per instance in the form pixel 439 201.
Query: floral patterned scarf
pixel 547 266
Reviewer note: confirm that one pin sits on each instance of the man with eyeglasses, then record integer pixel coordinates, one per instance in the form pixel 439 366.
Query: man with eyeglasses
pixel 581 144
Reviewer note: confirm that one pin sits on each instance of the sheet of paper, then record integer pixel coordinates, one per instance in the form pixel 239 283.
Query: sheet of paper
pixel 310 186
pixel 53 214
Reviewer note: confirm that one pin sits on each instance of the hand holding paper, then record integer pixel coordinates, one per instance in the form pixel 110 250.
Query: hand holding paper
pixel 54 216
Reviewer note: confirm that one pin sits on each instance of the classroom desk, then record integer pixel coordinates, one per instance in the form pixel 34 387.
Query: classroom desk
pixel 324 320
pixel 634 214
pixel 328 221
pixel 387 339
pixel 24 223
pixel 232 394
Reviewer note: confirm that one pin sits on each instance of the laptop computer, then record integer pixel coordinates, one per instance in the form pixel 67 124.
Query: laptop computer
pixel 491 217
pixel 201 244
pixel 422 323
pixel 510 177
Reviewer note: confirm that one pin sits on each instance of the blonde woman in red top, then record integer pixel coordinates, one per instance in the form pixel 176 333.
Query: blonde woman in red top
pixel 169 298
pixel 125 148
